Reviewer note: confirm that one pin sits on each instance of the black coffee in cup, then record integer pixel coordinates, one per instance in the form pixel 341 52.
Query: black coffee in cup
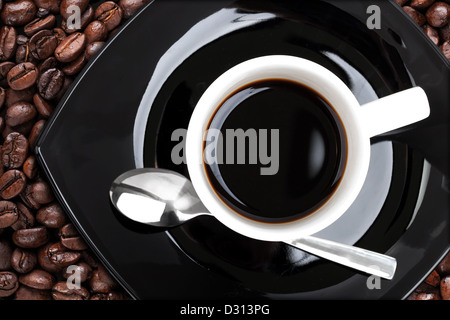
pixel 275 151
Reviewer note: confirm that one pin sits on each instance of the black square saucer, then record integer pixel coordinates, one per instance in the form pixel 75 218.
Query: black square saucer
pixel 121 111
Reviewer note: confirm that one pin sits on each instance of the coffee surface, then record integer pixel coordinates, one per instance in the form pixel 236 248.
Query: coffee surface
pixel 289 130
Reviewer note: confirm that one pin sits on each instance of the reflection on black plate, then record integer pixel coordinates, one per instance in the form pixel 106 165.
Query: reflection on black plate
pixel 115 121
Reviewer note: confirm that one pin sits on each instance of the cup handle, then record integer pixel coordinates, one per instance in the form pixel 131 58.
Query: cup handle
pixel 395 111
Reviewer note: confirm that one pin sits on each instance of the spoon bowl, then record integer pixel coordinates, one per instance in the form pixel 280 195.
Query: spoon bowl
pixel 156 197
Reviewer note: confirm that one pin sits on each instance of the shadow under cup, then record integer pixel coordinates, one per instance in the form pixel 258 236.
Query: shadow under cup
pixel 274 151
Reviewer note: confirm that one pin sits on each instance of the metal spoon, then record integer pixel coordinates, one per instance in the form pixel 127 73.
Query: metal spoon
pixel 164 198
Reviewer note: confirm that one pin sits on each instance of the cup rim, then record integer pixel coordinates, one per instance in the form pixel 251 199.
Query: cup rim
pixel 331 88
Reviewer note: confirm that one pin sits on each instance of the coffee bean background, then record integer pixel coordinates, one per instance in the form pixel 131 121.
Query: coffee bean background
pixel 433 17
pixel 40 55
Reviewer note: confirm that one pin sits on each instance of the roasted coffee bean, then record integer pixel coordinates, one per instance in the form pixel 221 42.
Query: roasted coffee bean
pixel 7 217
pixel 27 293
pixel 51 5
pixel 27 198
pixel 42 13
pixel 6 252
pixel 8 213
pixel 444 266
pixel 75 66
pixel 51 216
pixel 50 83
pixel 8 283
pixel 65 7
pixel 26 218
pixel 61 256
pixel 23 261
pixel 444 33
pixel 19 113
pixel 438 15
pixel 445 48
pixel 433 279
pixel 71 47
pixel 59 34
pixel 12 183
pixel 22 76
pixel 445 288
pixel 81 269
pixel 4 69
pixel 43 44
pixel 38 24
pixel 18 13
pixel 71 239
pixel 22 39
pixel 130 7
pixel 101 281
pixel 13 96
pixel 421 4
pixel 87 16
pixel 48 63
pixel 61 291
pixel 36 131
pixel 8 42
pixel 110 14
pixel 30 167
pixel 38 279
pixel 418 17
pixel 23 54
pixel 95 31
pixel 14 150
pixel 67 83
pixel 44 261
pixel 85 19
pixel 92 49
pixel 43 107
pixel 431 33
pixel 30 238
pixel 41 192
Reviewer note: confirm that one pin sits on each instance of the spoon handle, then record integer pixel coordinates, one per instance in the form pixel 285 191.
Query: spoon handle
pixel 357 258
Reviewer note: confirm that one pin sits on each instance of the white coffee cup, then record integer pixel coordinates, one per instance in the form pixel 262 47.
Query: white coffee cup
pixel 360 124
